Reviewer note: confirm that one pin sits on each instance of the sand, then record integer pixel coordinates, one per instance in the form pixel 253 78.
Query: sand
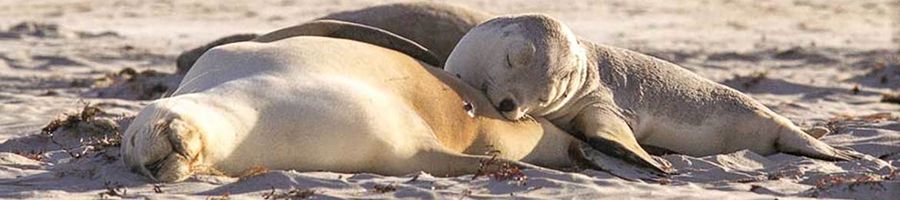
pixel 818 63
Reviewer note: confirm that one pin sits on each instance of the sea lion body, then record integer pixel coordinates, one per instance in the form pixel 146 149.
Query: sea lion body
pixel 615 99
pixel 668 106
pixel 314 103
pixel 437 27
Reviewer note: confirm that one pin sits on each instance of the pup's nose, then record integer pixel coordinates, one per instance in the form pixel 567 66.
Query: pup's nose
pixel 507 105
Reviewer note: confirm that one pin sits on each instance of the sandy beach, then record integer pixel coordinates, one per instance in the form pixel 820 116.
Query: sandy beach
pixel 74 72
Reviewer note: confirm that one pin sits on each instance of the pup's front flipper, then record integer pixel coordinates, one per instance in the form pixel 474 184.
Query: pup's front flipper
pixel 597 160
pixel 608 133
pixel 165 151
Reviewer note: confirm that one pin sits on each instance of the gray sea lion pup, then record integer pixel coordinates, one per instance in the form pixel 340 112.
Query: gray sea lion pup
pixel 435 26
pixel 614 99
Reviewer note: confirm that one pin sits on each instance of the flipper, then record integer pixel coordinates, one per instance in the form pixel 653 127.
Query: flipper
pixel 626 152
pixel 589 157
pixel 608 133
pixel 792 140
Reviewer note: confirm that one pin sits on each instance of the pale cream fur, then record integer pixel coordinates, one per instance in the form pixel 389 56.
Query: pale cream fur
pixel 314 103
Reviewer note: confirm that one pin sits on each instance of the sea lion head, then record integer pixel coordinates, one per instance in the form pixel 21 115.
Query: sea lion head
pixel 526 64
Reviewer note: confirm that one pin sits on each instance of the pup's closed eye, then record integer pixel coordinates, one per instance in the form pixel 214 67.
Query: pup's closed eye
pixel 508 62
pixel 543 100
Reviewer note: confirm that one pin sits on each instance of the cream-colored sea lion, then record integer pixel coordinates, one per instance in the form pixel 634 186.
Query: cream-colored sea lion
pixel 435 26
pixel 614 99
pixel 316 103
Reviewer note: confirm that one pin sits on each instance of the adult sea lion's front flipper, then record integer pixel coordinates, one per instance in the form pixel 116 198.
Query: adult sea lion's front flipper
pixel 358 32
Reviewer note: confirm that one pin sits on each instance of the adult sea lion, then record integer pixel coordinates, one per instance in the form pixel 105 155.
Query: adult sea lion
pixel 316 103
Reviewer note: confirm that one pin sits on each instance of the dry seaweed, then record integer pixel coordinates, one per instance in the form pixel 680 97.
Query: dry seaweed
pixel 293 193
pixel 157 188
pixel 501 171
pixel 95 134
pixel 128 83
pixel 113 190
pixel 34 155
pixel 88 112
pixel 252 171
pixel 752 79
pixel 384 188
pixel 851 182
pixel 890 98
pixel 225 196
pixel 837 123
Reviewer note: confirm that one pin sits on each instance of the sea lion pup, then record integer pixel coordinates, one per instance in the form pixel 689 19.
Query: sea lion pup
pixel 316 103
pixel 614 99
pixel 435 26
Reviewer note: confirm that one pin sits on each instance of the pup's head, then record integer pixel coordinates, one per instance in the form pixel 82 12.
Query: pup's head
pixel 526 64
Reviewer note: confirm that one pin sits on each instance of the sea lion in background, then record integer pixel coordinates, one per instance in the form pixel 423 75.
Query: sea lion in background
pixel 435 26
pixel 614 99
pixel 328 104
pixel 358 32
pixel 186 59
